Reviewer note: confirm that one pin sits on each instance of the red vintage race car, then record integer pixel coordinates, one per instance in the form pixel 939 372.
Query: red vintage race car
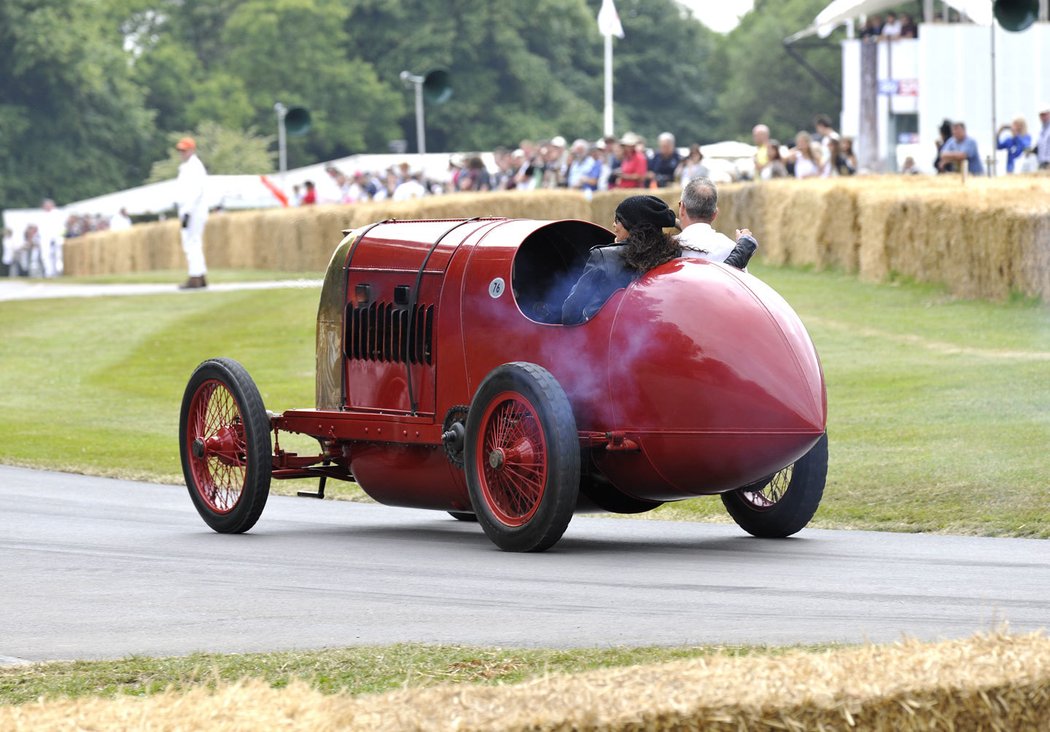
pixel 446 381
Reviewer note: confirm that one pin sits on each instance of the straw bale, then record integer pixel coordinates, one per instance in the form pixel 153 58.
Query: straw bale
pixel 982 238
pixel 992 681
pixel 838 233
pixel 760 207
pixel 807 210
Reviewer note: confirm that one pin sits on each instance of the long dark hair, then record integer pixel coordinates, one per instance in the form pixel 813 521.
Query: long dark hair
pixel 649 247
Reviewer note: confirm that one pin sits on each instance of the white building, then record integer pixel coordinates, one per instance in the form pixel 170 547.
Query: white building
pixel 971 70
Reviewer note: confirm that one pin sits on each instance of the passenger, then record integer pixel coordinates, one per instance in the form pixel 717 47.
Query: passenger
pixel 697 210
pixel 640 245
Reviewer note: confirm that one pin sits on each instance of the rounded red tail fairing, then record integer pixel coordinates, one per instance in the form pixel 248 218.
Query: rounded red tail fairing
pixel 716 375
pixel 707 369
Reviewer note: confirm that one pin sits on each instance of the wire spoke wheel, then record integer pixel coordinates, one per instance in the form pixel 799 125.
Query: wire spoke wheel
pixel 224 438
pixel 784 503
pixel 768 495
pixel 522 457
pixel 514 459
pixel 217 453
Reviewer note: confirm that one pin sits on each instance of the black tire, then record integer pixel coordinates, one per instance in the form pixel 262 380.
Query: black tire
pixel 784 503
pixel 463 516
pixel 224 439
pixel 522 458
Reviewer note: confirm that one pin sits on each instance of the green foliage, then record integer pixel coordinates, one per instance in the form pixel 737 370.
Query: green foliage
pixel 666 71
pixel 315 67
pixel 94 89
pixel 537 73
pixel 762 83
pixel 515 74
pixel 223 151
pixel 72 123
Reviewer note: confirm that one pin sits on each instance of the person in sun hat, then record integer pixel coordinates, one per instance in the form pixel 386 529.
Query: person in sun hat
pixel 640 245
pixel 192 210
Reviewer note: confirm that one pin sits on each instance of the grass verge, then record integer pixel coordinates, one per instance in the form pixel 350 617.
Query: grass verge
pixel 363 670
pixel 986 682
pixel 939 415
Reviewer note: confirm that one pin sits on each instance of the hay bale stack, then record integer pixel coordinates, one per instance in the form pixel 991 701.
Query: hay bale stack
pixel 1032 267
pixel 141 248
pixel 801 221
pixel 838 233
pixel 982 238
pixel 745 206
pixel 988 682
pixel 762 208
pixel 162 245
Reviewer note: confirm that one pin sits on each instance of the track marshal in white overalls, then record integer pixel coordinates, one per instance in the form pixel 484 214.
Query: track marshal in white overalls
pixel 193 211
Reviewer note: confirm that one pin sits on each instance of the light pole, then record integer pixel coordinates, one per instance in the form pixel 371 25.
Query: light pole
pixel 417 81
pixel 282 147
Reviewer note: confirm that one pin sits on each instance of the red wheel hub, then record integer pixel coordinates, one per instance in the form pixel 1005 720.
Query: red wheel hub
pixel 511 458
pixel 215 434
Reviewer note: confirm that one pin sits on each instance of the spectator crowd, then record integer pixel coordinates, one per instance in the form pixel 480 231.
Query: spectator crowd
pixel 586 166
pixel 39 251
pixel 608 163
pixel 821 154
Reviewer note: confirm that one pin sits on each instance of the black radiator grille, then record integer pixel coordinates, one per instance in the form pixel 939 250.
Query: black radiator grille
pixel 387 332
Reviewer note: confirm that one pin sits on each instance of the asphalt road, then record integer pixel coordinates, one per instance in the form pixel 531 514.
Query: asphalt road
pixel 96 568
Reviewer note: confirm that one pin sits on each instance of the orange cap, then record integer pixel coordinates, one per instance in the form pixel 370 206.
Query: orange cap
pixel 186 143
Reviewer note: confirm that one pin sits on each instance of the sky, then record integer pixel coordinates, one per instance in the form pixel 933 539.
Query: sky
pixel 718 15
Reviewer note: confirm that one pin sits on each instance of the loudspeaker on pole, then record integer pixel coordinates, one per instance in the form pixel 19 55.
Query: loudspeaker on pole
pixel 437 86
pixel 1015 15
pixel 297 121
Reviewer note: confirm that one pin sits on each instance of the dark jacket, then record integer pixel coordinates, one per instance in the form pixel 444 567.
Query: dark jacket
pixel 742 252
pixel 605 273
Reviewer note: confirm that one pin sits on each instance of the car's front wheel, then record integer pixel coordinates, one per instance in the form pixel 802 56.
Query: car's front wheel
pixel 224 438
pixel 522 458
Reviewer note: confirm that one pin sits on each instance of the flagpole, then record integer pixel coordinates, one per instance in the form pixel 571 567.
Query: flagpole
pixel 608 86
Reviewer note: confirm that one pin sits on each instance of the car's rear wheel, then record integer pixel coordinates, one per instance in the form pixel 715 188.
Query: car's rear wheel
pixel 224 439
pixel 783 503
pixel 522 458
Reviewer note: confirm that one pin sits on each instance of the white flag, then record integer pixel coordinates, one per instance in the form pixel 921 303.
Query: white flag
pixel 609 21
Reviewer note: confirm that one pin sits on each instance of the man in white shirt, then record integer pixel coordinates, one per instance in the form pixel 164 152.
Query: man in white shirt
pixel 891 29
pixel 410 188
pixel 52 228
pixel 193 211
pixel 696 212
pixel 120 221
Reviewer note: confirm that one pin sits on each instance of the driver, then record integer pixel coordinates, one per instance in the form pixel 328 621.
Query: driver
pixel 640 245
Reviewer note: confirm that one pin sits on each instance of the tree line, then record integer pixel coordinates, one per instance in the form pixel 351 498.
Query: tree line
pixel 93 92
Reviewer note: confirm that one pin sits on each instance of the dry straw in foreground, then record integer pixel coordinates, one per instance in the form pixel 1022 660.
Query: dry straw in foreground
pixel 994 682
